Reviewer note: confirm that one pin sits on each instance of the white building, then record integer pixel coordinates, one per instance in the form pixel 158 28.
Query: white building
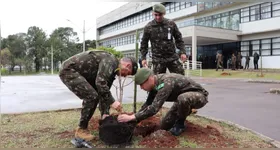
pixel 206 27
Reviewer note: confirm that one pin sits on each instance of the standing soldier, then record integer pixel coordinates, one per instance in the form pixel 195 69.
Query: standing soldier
pixel 256 60
pixel 160 32
pixel 184 92
pixel 90 75
pixel 247 62
pixel 239 58
pixel 233 60
pixel 219 60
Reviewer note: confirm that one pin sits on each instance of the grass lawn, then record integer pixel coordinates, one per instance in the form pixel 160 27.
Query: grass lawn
pixel 236 74
pixel 55 129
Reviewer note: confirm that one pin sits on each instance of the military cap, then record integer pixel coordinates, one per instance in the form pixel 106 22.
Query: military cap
pixel 159 8
pixel 142 75
pixel 134 65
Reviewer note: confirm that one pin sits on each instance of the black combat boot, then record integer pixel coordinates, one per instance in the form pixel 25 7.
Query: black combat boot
pixel 178 128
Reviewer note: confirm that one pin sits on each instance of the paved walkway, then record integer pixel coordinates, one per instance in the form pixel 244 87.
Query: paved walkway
pixel 247 104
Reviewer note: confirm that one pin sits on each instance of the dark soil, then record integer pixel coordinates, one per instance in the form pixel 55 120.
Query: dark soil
pixel 112 132
pixel 153 137
pixel 225 74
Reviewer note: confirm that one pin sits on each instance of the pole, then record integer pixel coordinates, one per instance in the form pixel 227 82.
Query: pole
pixel 52 58
pixel 84 32
pixel 0 56
pixel 136 57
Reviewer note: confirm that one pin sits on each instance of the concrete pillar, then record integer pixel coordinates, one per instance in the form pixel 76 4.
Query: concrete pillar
pixel 194 49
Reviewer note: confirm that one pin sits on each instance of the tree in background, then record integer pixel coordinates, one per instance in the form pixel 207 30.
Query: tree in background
pixel 36 43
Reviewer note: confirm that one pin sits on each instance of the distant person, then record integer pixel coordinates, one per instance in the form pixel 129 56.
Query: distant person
pixel 256 60
pixel 219 61
pixel 183 91
pixel 233 60
pixel 238 60
pixel 247 62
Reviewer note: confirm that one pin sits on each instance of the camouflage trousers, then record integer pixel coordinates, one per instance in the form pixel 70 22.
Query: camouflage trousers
pixel 84 90
pixel 173 66
pixel 183 107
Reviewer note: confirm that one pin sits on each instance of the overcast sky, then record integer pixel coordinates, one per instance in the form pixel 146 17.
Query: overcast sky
pixel 17 15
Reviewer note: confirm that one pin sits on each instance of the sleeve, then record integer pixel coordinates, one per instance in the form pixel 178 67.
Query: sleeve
pixel 159 100
pixel 104 74
pixel 178 39
pixel 144 43
pixel 150 99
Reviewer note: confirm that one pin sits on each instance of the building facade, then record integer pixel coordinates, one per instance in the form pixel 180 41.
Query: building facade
pixel 206 27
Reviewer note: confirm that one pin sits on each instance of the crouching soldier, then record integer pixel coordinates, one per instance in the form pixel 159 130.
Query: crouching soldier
pixel 90 75
pixel 184 92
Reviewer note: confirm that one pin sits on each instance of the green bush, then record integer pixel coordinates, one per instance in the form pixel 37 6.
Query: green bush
pixel 4 71
pixel 110 50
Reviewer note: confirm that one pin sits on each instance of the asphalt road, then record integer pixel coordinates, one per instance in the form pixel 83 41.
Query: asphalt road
pixel 247 104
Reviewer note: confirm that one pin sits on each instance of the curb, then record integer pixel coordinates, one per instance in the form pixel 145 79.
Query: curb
pixel 263 137
pixel 263 81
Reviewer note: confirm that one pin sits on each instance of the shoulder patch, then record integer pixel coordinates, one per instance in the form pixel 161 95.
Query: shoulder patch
pixel 160 86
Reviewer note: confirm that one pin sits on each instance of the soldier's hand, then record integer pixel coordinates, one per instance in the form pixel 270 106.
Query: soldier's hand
pixel 125 118
pixel 116 105
pixel 104 116
pixel 183 57
pixel 144 63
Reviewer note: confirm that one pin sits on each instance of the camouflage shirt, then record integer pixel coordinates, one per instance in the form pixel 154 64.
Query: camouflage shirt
pixel 168 88
pixel 98 68
pixel 161 37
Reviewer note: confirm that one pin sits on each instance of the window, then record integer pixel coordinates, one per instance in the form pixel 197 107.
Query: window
pixel 245 15
pixel 183 5
pixel 266 47
pixel 255 13
pixel 266 10
pixel 276 46
pixel 177 6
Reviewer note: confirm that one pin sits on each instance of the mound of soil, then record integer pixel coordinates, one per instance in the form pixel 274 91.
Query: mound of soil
pixel 147 126
pixel 160 139
pixel 149 129
pixel 112 132
pixel 225 74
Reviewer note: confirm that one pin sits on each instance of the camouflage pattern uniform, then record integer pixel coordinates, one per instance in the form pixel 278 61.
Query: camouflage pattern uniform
pixel 90 76
pixel 184 92
pixel 247 62
pixel 233 60
pixel 239 58
pixel 219 60
pixel 162 46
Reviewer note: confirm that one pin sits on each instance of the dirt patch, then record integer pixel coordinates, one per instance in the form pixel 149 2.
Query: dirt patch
pixel 147 126
pixel 65 134
pixel 44 130
pixel 225 74
pixel 160 139
pixel 208 136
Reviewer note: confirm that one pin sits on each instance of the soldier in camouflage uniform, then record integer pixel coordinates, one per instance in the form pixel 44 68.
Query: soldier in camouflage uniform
pixel 233 60
pixel 219 60
pixel 184 92
pixel 161 32
pixel 90 75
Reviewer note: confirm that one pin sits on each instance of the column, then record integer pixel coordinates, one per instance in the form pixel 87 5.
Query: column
pixel 194 49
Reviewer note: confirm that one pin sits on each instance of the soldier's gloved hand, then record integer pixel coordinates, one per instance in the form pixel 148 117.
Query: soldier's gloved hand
pixel 144 63
pixel 116 105
pixel 183 57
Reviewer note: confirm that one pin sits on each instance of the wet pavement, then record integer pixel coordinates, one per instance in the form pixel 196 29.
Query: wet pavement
pixel 247 104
